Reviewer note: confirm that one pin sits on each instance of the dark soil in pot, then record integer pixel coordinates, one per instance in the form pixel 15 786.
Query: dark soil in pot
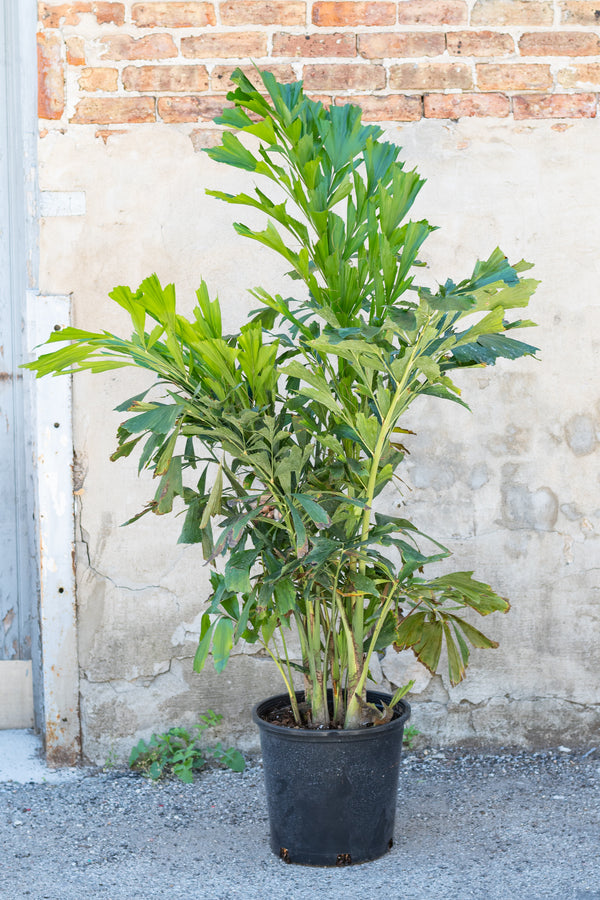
pixel 331 794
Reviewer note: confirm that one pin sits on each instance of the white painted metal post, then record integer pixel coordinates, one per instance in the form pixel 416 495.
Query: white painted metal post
pixel 56 523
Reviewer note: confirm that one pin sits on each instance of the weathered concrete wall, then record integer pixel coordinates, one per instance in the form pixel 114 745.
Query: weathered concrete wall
pixel 513 489
pixel 127 92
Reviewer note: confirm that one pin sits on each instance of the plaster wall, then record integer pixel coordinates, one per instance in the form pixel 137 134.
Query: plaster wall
pixel 513 489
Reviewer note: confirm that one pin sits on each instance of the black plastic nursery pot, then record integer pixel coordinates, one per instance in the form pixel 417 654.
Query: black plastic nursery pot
pixel 331 794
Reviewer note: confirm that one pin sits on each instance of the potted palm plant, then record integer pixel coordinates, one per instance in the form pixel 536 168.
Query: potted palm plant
pixel 279 439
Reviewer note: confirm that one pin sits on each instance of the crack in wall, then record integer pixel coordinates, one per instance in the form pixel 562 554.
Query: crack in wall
pixel 124 587
pixel 145 681
pixel 506 698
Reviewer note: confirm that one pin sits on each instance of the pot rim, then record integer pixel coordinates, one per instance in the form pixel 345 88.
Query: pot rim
pixel 335 735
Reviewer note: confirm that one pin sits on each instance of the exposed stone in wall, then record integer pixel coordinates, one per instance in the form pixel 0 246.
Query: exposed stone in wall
pixel 582 434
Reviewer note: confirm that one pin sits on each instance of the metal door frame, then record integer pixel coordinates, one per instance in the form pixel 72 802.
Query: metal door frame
pixel 43 433
pixel 18 223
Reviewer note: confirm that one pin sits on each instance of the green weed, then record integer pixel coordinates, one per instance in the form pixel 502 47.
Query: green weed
pixel 410 733
pixel 179 752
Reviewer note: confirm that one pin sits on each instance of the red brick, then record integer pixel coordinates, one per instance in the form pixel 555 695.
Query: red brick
pixel 105 133
pixel 326 99
pixel 260 12
pixel 559 43
pixel 190 109
pixel 457 106
pixel 109 110
pixel 220 76
pixel 68 13
pixel 75 51
pixel 585 74
pixel 555 106
pixel 430 76
pixel 479 43
pixel 51 79
pixel 577 12
pixel 99 79
pixel 332 15
pixel 513 77
pixel 109 12
pixel 165 78
pixel 173 15
pixel 344 78
pixel 311 45
pixel 389 108
pixel 65 14
pixel 512 12
pixel 155 46
pixel 223 46
pixel 432 12
pixel 395 45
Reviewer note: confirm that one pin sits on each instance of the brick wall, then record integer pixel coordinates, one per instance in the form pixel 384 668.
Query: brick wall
pixel 114 64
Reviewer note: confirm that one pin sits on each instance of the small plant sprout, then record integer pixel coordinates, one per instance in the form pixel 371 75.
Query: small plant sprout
pixel 181 752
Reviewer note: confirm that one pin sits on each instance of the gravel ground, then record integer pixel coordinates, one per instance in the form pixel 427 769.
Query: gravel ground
pixel 504 827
